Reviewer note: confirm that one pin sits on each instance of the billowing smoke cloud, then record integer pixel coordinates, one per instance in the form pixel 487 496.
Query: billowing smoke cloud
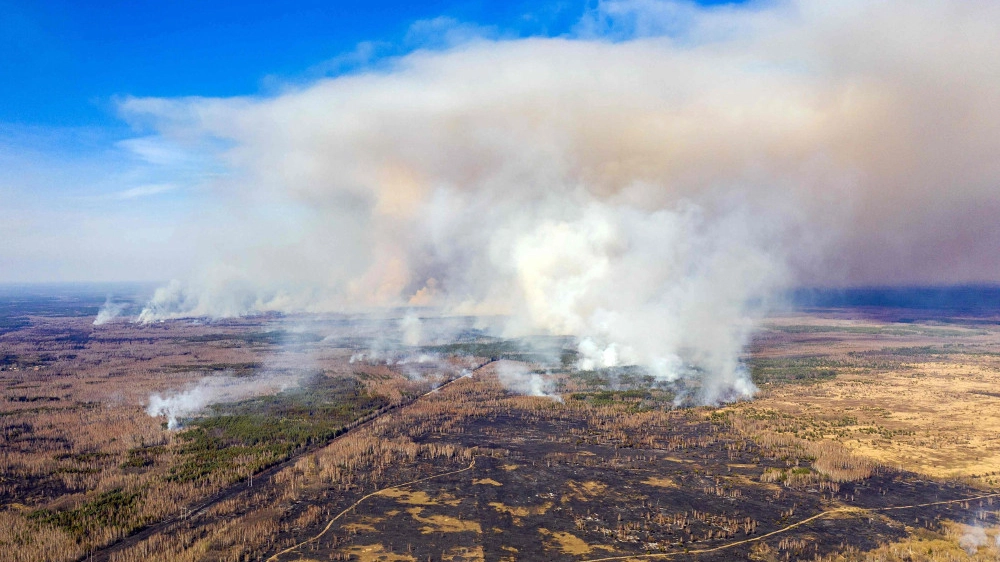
pixel 669 290
pixel 645 185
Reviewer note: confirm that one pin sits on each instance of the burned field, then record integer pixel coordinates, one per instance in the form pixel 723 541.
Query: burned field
pixel 871 438
pixel 700 489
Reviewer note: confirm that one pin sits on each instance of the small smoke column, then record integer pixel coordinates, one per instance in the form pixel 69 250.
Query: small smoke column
pixel 973 537
pixel 516 378
pixel 108 312
pixel 216 390
pixel 411 327
pixel 284 369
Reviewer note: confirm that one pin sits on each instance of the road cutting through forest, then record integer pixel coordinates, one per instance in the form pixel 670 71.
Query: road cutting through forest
pixel 104 554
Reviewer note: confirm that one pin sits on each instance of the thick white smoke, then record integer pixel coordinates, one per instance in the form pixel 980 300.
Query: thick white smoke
pixel 645 185
pixel 518 379
pixel 215 390
pixel 668 290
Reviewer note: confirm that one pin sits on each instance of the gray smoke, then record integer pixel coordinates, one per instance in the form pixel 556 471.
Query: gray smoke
pixel 646 185
pixel 192 400
pixel 519 379
pixel 109 311
pixel 288 367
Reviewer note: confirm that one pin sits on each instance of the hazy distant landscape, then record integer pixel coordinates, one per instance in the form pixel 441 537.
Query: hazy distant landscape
pixel 326 437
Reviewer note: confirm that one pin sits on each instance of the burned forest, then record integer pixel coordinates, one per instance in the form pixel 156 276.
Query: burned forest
pixel 316 437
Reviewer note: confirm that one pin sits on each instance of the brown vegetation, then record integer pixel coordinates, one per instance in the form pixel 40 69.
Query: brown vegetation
pixel 857 415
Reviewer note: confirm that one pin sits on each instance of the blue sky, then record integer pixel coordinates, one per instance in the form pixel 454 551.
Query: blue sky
pixel 74 174
pixel 63 62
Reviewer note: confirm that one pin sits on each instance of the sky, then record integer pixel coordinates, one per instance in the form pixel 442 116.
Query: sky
pixel 85 197
pixel 117 162
pixel 63 63
pixel 82 198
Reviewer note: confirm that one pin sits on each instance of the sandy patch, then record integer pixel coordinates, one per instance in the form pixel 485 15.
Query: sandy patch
pixel 487 482
pixel 517 512
pixel 443 523
pixel 376 553
pixel 660 482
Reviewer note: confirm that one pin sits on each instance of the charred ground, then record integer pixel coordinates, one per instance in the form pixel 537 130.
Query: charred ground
pixel 862 420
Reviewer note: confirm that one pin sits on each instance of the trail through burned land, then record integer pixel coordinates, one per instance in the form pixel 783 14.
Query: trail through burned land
pixel 360 460
pixel 579 497
pixel 552 480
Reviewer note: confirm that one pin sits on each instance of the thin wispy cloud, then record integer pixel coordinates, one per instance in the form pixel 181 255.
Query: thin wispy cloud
pixel 445 32
pixel 144 191
pixel 157 151
pixel 363 55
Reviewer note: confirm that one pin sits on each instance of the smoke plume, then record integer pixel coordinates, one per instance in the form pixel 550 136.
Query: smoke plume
pixel 410 325
pixel 646 184
pixel 973 537
pixel 109 311
pixel 215 390
pixel 518 379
